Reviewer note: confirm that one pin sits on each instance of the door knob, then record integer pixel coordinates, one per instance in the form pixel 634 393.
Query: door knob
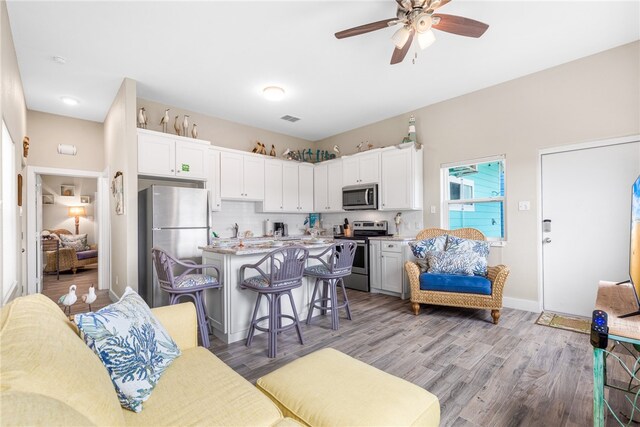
pixel 547 240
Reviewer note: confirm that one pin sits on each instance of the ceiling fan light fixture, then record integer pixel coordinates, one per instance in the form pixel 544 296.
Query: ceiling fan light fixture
pixel 273 93
pixel 401 36
pixel 423 23
pixel 426 39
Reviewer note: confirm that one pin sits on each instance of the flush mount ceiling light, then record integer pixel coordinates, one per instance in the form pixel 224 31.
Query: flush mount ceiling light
pixel 273 93
pixel 69 101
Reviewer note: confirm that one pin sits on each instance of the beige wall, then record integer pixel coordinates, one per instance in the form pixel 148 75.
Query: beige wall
pixel 593 98
pixel 222 133
pixel 46 131
pixel 120 152
pixel 13 111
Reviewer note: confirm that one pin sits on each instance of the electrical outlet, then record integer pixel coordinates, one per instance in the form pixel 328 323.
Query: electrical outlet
pixel 524 205
pixel 433 209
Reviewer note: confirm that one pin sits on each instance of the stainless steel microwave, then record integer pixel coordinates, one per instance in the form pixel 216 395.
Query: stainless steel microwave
pixel 360 197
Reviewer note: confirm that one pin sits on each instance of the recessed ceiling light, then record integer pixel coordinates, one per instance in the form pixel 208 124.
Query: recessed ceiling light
pixel 273 93
pixel 69 101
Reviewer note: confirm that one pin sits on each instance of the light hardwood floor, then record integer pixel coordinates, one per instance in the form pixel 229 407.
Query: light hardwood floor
pixel 83 279
pixel 511 374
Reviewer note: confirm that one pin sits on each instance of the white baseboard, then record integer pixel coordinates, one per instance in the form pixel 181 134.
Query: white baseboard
pixel 113 297
pixel 521 304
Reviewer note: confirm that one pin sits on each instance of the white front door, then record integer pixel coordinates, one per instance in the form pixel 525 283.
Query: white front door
pixel 586 195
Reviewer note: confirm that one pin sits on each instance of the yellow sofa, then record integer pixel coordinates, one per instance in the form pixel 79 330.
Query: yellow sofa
pixel 48 376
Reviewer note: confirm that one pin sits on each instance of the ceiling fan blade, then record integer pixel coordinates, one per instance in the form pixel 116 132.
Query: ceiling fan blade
pixel 367 28
pixel 459 25
pixel 438 4
pixel 399 54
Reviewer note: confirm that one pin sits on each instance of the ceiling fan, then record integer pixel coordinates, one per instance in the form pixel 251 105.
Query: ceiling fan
pixel 419 17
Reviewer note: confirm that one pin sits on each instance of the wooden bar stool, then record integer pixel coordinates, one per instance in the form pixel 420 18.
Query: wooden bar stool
pixel 285 269
pixel 331 274
pixel 187 284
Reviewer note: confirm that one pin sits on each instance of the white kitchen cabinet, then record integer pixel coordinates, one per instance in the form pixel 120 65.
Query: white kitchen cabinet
pixel 288 187
pixel 401 179
pixel 361 169
pixel 213 180
pixel 241 176
pixel 327 186
pixel 165 155
pixel 386 266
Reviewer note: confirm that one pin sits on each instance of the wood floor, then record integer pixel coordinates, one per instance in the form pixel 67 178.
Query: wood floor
pixel 83 279
pixel 512 374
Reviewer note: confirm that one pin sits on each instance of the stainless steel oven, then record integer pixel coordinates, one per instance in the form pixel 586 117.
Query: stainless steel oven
pixel 359 278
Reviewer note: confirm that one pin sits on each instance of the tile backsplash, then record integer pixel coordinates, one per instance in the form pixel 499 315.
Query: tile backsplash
pixel 249 217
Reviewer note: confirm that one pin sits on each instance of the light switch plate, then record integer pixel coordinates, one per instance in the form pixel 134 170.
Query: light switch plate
pixel 524 205
pixel 433 209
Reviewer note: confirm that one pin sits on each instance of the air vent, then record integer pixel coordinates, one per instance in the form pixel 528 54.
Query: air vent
pixel 289 118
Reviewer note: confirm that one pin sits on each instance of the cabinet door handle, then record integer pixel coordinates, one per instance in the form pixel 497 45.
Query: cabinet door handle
pixel 171 170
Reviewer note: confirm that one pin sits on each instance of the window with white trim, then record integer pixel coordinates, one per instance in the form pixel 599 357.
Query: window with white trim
pixel 473 195
pixel 9 214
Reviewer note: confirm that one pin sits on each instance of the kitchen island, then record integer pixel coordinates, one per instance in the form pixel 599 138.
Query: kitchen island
pixel 229 308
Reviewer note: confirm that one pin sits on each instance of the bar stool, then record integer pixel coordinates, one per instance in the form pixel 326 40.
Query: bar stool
pixel 331 274
pixel 187 284
pixel 286 267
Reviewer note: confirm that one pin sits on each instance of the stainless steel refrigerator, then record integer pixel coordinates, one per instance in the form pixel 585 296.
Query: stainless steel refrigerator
pixel 174 219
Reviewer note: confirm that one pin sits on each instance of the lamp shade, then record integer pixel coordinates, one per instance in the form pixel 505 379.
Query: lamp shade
pixel 401 37
pixel 426 39
pixel 77 211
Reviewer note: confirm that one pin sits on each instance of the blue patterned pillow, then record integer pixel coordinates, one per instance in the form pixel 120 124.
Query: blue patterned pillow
pixel 132 344
pixel 421 247
pixel 460 246
pixel 451 263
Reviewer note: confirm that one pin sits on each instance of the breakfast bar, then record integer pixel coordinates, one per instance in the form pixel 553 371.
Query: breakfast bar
pixel 229 308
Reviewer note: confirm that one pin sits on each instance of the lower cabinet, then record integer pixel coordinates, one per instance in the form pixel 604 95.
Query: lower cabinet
pixel 386 262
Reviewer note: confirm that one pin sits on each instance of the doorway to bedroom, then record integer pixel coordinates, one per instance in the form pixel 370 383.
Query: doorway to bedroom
pixel 67 216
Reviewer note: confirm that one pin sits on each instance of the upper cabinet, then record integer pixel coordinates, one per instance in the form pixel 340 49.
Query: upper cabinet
pixel 288 186
pixel 361 169
pixel 327 186
pixel 401 182
pixel 213 180
pixel 170 156
pixel 241 176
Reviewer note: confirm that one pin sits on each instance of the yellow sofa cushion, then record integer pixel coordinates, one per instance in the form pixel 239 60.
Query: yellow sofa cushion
pixel 44 360
pixel 181 323
pixel 329 388
pixel 199 389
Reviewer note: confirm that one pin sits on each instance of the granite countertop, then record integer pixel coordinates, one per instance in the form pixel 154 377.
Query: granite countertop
pixel 264 245
pixel 394 238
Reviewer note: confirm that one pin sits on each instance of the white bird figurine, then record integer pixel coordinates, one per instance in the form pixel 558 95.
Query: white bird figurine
pixel 185 126
pixel 68 299
pixel 165 120
pixel 142 118
pixel 176 125
pixel 194 131
pixel 90 298
pixel 359 146
pixel 336 149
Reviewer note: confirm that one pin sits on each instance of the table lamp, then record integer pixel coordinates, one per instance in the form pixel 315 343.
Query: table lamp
pixel 77 212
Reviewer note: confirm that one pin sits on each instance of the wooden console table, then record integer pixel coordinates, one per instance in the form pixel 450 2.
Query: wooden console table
pixel 615 300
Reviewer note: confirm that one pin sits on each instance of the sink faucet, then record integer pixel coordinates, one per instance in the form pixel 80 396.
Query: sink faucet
pixel 235 230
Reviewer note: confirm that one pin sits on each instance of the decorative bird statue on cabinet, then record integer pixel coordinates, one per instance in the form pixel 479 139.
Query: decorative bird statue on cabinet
pixel 185 125
pixel 142 118
pixel 194 131
pixel 336 149
pixel 272 153
pixel 176 125
pixel 90 298
pixel 68 299
pixel 164 122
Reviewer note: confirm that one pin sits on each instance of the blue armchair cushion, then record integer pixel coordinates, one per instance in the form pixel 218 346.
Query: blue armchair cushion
pixel 463 247
pixel 194 280
pixel 455 283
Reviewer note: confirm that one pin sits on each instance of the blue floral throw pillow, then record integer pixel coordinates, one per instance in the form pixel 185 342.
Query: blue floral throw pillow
pixel 421 247
pixel 461 246
pixel 451 263
pixel 132 344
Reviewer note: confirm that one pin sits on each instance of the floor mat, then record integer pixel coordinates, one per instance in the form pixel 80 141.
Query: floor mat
pixel 561 321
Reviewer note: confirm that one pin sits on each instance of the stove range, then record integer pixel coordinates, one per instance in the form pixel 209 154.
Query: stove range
pixel 362 231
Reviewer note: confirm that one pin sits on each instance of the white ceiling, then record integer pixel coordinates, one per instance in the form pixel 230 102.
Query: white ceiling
pixel 215 57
